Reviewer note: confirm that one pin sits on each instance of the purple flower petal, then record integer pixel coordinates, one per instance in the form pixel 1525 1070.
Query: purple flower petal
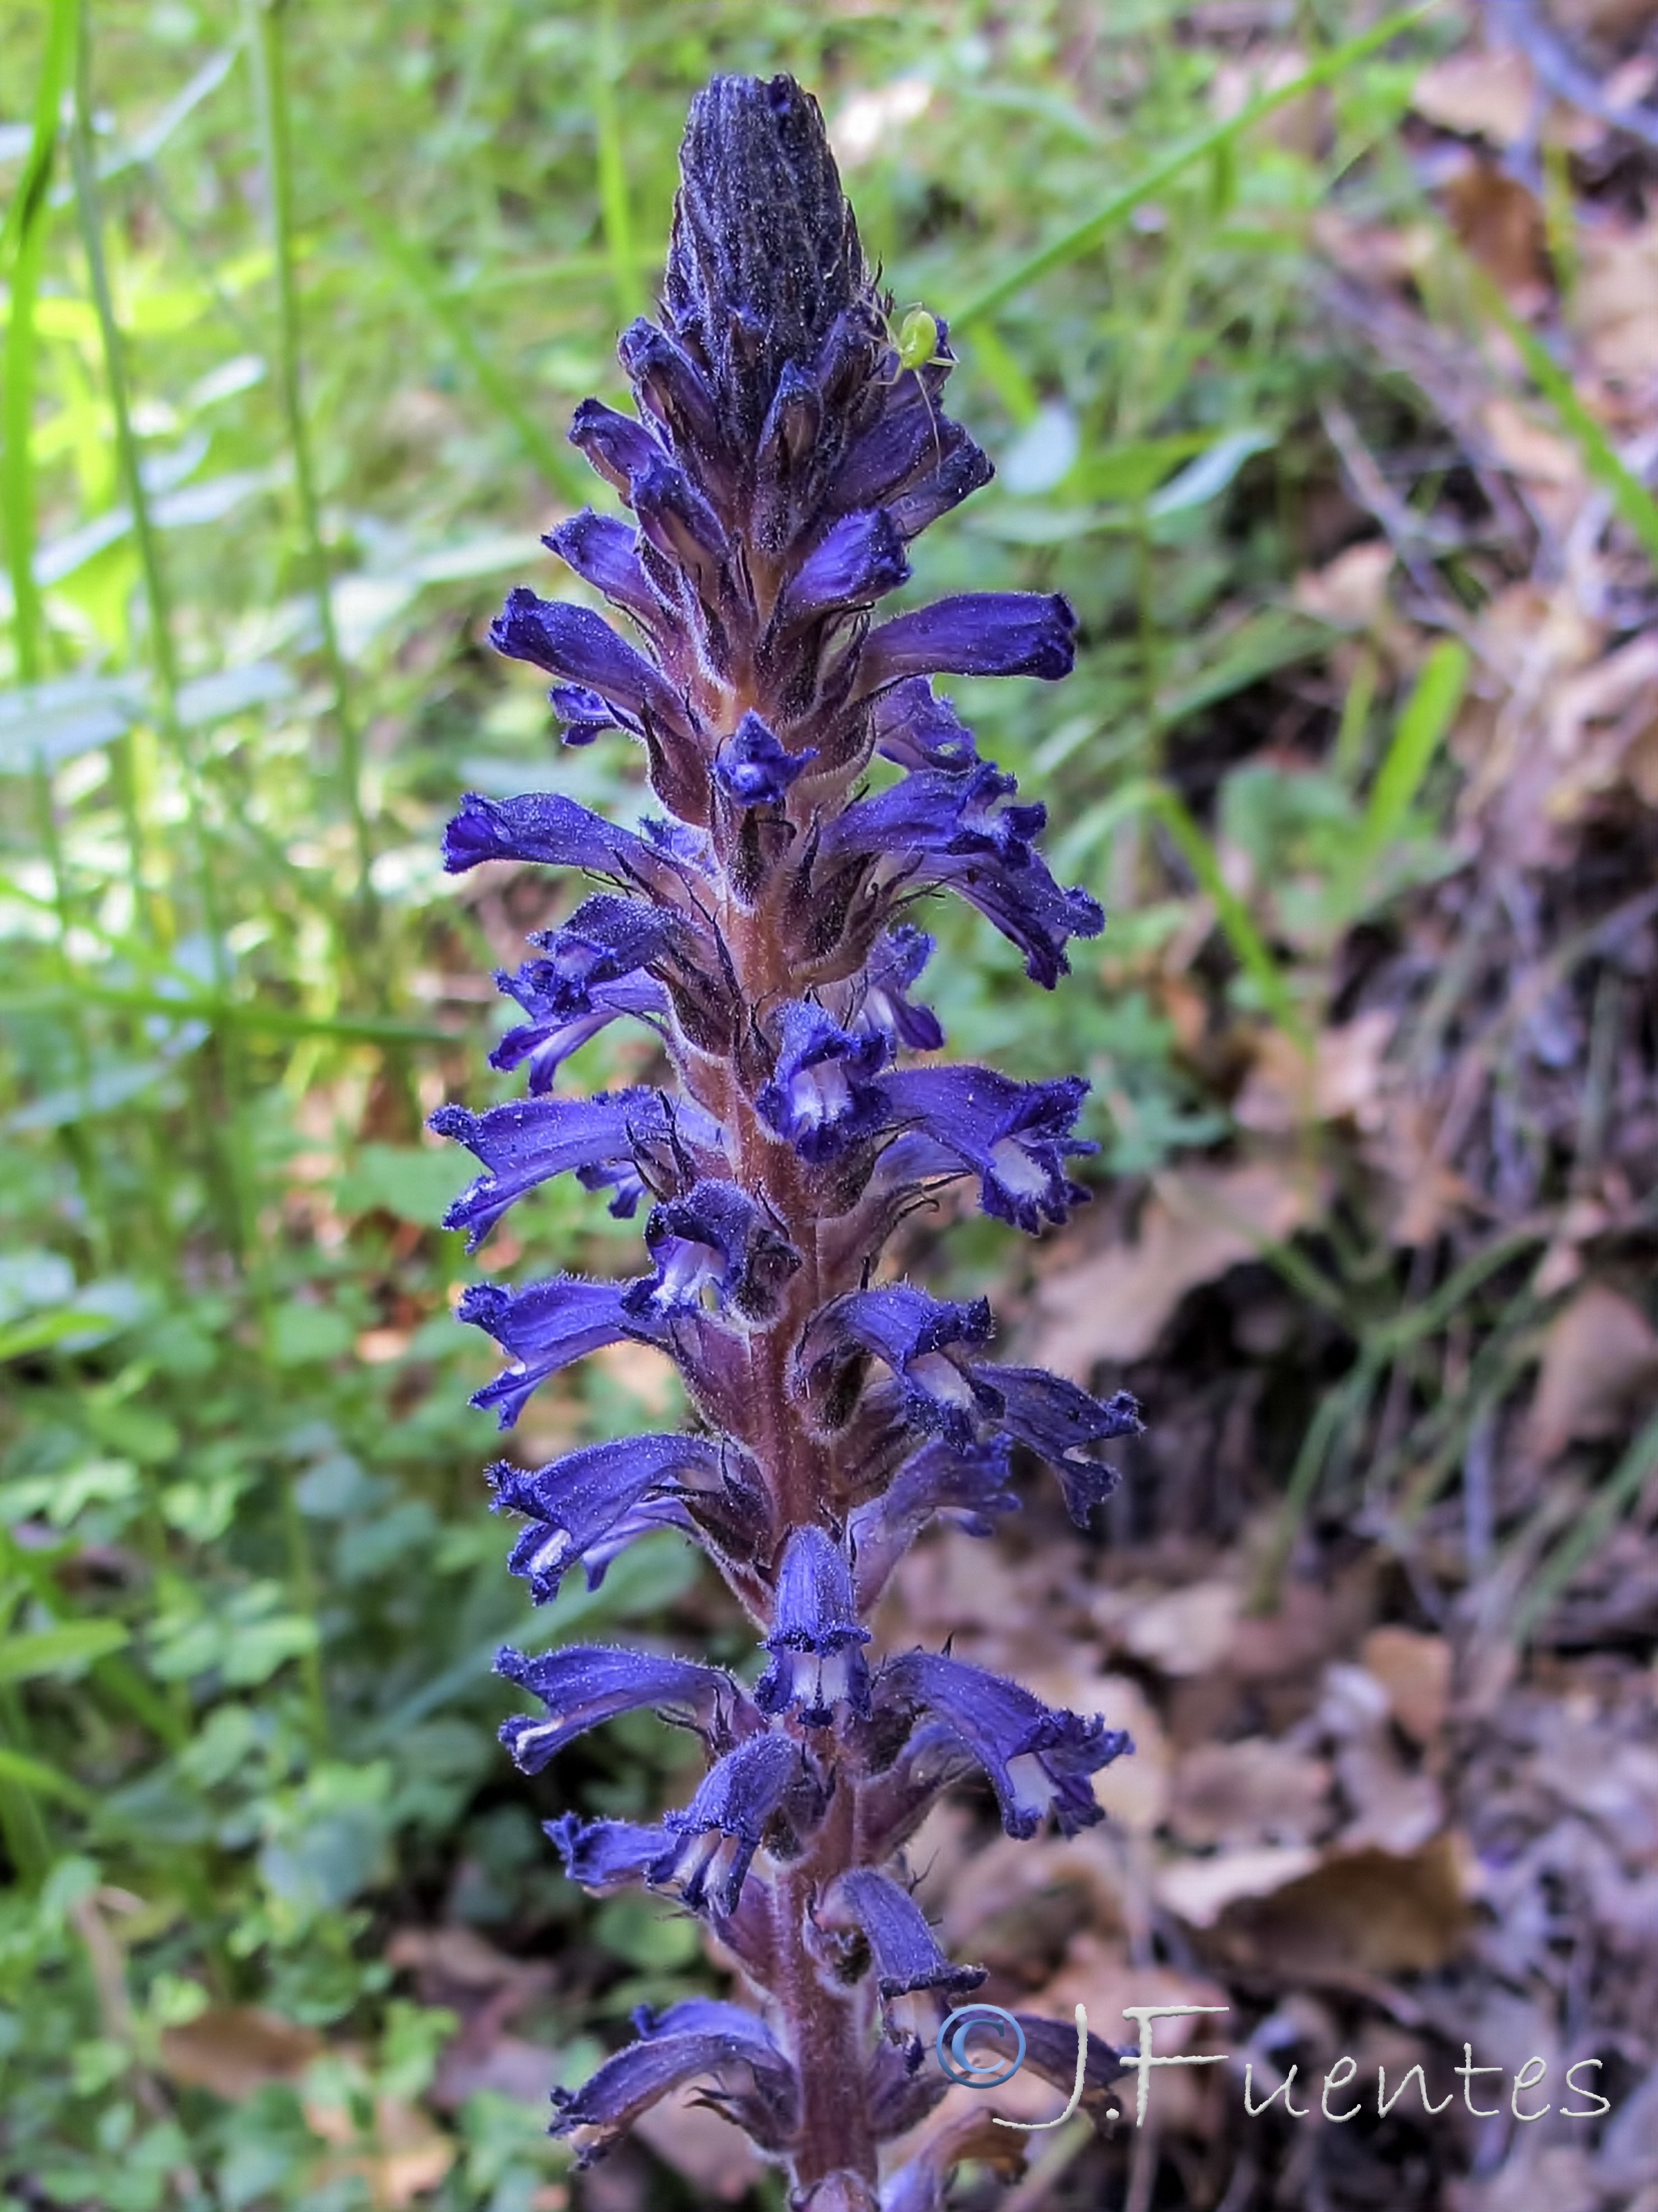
pixel 905 1955
pixel 815 1639
pixel 753 769
pixel 716 1835
pixel 1059 1422
pixel 973 633
pixel 715 1241
pixel 917 729
pixel 542 1327
pixel 605 1854
pixel 604 553
pixel 820 1097
pixel 526 1145
pixel 544 827
pixel 579 646
pixel 701 2037
pixel 922 1340
pixel 856 562
pixel 1038 1760
pixel 582 1685
pixel 1015 1136
pixel 967 1483
pixel 584 1507
pixel 614 445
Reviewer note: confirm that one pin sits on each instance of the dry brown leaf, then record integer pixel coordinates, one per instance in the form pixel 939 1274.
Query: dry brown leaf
pixel 1614 305
pixel 1557 2175
pixel 1238 80
pixel 1356 1916
pixel 1197 1223
pixel 1198 1890
pixel 1351 592
pixel 1599 1363
pixel 1602 728
pixel 716 2158
pixel 233 2050
pixel 1499 222
pixel 1342 1081
pixel 1415 1671
pixel 1489 95
pixel 1179 1631
pixel 408 2156
pixel 1016 1909
pixel 1254 1792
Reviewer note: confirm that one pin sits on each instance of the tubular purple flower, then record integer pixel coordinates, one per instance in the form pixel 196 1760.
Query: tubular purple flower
pixel 701 2037
pixel 753 769
pixel 817 1661
pixel 583 1685
pixel 523 1146
pixel 716 1835
pixel 975 633
pixel 782 462
pixel 1037 1760
pixel 819 1096
pixel 586 1505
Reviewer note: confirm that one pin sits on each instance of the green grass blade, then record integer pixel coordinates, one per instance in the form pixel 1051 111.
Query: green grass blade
pixel 1421 730
pixel 1071 245
pixel 613 201
pixel 546 455
pixel 266 47
pixel 66 1648
pixel 1235 918
pixel 1633 501
pixel 40 1780
pixel 25 231
pixel 1616 1494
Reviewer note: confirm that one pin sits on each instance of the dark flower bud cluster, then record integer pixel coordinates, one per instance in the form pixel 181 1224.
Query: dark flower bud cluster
pixel 815 792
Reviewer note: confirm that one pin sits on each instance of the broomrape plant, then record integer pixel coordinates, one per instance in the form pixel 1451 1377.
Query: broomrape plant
pixel 784 456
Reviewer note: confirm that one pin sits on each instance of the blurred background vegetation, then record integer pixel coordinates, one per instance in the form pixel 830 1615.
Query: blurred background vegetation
pixel 299 299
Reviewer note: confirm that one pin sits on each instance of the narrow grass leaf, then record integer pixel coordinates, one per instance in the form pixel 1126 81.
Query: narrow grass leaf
pixel 1421 730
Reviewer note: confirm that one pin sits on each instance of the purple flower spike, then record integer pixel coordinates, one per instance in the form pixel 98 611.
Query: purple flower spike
pixel 817 1659
pixel 1037 1760
pixel 752 769
pixel 759 932
pixel 582 1685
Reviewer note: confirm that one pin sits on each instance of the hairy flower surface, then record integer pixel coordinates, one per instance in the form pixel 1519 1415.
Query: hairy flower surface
pixel 814 792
